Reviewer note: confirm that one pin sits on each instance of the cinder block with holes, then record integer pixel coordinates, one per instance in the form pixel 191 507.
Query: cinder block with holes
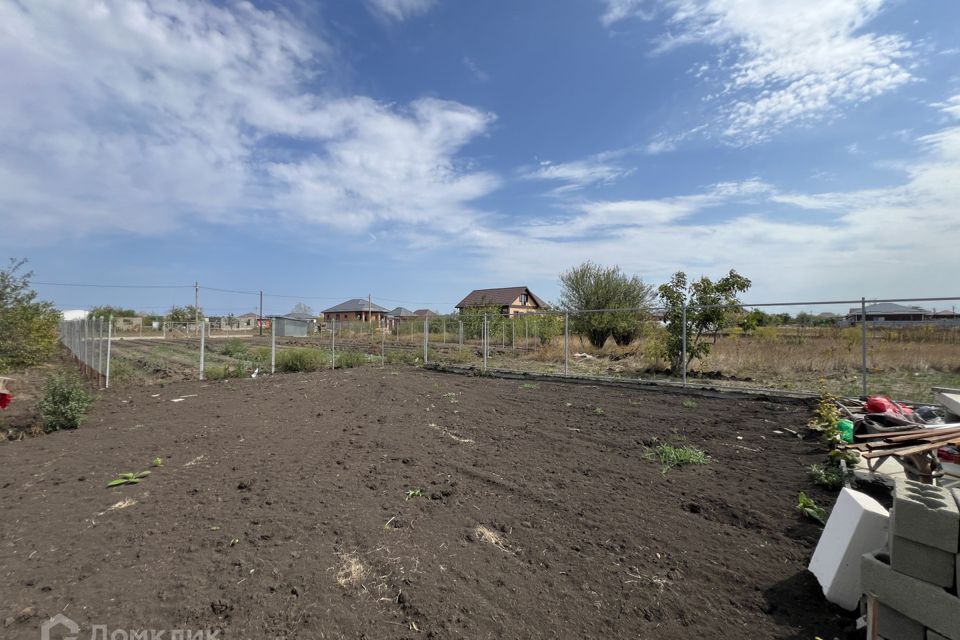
pixel 928 604
pixel 926 514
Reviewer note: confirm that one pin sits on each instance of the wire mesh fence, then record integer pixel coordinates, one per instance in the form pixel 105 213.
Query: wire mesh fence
pixel 89 342
pixel 895 347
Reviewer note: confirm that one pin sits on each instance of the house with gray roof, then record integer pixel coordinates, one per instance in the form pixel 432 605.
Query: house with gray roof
pixel 510 300
pixel 888 312
pixel 357 309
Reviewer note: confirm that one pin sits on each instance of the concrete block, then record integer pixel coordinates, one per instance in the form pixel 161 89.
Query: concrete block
pixel 928 604
pixel 858 524
pixel 921 561
pixel 893 624
pixel 926 514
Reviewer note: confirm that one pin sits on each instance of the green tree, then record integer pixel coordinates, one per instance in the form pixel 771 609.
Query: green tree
pixel 105 311
pixel 28 327
pixel 591 286
pixel 188 313
pixel 710 307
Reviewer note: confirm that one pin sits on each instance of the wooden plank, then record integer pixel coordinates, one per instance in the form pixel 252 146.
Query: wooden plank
pixel 920 448
pixel 923 434
pixel 953 426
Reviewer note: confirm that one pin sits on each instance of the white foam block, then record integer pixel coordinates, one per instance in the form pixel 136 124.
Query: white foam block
pixel 857 525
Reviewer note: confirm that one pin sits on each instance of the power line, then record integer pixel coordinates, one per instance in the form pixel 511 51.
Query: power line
pixel 115 286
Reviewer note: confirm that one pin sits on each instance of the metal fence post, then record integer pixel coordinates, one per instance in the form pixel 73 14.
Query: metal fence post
pixel 460 334
pixel 201 327
pixel 426 337
pixel 443 323
pixel 485 340
pixel 106 384
pixel 526 333
pixel 863 342
pixel 383 342
pixel 333 343
pixel 273 346
pixel 100 349
pixel 683 355
pixel 513 334
pixel 566 343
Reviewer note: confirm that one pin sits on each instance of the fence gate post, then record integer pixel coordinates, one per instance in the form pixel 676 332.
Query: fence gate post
pixel 485 340
pixel 566 343
pixel 863 342
pixel 201 327
pixel 683 354
pixel 273 345
pixel 106 384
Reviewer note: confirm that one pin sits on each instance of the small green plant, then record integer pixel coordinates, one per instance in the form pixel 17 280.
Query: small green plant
pixel 599 411
pixel 350 359
pixel 157 462
pixel 64 402
pixel 529 385
pixel 128 478
pixel 827 477
pixel 809 508
pixel 451 397
pixel 121 371
pixel 301 360
pixel 826 415
pixel 414 493
pixel 670 456
pixel 234 347
pixel 400 357
pixel 689 403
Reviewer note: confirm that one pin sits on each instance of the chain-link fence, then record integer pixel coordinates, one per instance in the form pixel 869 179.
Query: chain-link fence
pixel 89 342
pixel 901 348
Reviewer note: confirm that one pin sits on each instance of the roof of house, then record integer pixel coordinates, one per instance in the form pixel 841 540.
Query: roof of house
pixel 497 297
pixel 945 312
pixel 401 312
pixel 299 315
pixel 425 313
pixel 889 308
pixel 248 315
pixel 290 316
pixel 357 304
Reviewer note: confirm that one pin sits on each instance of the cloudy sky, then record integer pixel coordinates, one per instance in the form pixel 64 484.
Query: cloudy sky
pixel 417 149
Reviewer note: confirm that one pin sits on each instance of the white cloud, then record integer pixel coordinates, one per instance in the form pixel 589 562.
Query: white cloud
pixel 597 169
pixel 789 62
pixel 399 10
pixel 136 116
pixel 892 241
pixel 617 10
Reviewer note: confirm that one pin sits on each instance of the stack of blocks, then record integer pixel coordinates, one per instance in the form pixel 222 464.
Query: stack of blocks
pixel 916 582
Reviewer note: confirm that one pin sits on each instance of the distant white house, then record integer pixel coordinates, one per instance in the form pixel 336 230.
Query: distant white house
pixel 75 314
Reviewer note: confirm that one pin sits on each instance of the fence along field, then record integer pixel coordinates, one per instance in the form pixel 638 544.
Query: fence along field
pixel 903 360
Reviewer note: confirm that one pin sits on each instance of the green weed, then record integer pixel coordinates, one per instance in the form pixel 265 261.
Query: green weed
pixel 128 478
pixel 64 402
pixel 689 404
pixel 809 508
pixel 301 359
pixel 670 456
pixel 414 493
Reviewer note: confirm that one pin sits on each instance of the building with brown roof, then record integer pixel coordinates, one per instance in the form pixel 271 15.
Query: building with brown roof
pixel 510 300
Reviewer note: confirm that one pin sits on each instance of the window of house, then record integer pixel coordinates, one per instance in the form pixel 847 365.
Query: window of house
pixel 523 298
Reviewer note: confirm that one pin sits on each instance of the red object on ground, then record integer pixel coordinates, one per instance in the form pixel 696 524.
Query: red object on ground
pixel 5 399
pixel 883 404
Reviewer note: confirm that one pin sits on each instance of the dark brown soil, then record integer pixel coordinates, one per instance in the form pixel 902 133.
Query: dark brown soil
pixel 282 511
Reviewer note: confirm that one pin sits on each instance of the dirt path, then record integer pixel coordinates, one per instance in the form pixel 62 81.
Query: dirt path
pixel 282 511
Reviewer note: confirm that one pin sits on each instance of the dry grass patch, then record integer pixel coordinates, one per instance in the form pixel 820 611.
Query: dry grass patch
pixel 488 535
pixel 352 571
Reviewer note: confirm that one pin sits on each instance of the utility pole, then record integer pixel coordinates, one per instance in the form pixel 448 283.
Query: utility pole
pixel 260 318
pixel 196 302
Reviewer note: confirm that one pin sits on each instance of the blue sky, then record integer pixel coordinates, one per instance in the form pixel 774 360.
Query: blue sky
pixel 417 149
